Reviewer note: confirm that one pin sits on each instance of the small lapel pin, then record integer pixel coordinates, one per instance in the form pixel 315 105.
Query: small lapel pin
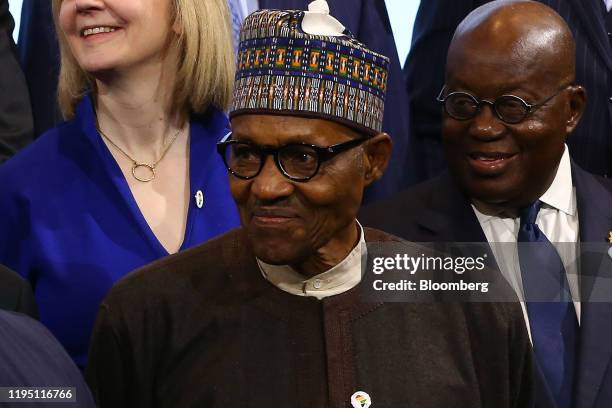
pixel 610 237
pixel 361 399
pixel 199 198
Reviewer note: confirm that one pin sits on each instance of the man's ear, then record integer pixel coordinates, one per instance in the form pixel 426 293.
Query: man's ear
pixel 576 104
pixel 378 153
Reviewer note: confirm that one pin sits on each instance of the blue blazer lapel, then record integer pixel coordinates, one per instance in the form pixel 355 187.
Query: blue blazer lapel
pixel 593 382
pixel 593 22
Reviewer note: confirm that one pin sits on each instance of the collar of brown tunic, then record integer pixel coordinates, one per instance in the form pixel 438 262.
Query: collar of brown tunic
pixel 342 277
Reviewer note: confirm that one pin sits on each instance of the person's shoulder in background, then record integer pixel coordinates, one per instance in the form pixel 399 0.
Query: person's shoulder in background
pixel 42 157
pixel 33 176
pixel 16 294
pixel 16 123
pixel 398 214
pixel 32 357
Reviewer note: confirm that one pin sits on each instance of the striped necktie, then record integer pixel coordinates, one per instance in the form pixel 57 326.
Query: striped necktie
pixel 552 317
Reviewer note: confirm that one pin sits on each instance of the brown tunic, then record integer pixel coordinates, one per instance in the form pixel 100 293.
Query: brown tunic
pixel 203 328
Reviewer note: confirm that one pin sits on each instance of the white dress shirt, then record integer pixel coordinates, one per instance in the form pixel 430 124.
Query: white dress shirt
pixel 342 277
pixel 608 4
pixel 557 219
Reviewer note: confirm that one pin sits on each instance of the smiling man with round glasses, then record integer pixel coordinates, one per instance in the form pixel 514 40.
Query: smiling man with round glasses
pixel 510 103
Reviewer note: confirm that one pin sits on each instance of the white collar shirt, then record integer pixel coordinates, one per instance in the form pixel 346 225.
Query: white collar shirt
pixel 557 219
pixel 339 279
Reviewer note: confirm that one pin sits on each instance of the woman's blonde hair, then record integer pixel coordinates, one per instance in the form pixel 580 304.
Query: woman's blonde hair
pixel 205 66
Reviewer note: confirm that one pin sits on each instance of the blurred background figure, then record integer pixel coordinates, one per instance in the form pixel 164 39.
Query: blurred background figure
pixel 32 357
pixel 590 21
pixel 39 56
pixel 16 128
pixel 16 293
pixel 133 174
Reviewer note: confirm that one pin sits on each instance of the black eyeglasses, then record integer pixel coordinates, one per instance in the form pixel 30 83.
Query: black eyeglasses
pixel 509 108
pixel 296 161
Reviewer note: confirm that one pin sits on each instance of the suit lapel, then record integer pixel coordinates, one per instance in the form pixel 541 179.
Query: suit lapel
pixel 594 209
pixel 593 22
pixel 595 350
pixel 449 215
pixel 450 221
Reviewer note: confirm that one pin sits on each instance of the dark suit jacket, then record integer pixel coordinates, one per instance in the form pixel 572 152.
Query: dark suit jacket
pixel 16 128
pixel 39 56
pixel 16 294
pixel 591 142
pixel 32 357
pixel 437 211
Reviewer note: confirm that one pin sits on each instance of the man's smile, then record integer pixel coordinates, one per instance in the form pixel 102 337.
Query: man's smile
pixel 269 216
pixel 490 163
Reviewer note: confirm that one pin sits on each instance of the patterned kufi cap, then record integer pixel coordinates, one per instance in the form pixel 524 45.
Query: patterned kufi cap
pixel 292 62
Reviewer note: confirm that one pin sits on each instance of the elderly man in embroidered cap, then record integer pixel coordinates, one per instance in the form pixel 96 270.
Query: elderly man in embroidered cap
pixel 271 315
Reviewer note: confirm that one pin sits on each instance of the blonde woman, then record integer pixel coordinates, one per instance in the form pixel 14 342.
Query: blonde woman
pixel 133 175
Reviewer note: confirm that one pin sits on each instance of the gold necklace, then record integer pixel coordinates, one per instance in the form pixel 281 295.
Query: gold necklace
pixel 135 163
